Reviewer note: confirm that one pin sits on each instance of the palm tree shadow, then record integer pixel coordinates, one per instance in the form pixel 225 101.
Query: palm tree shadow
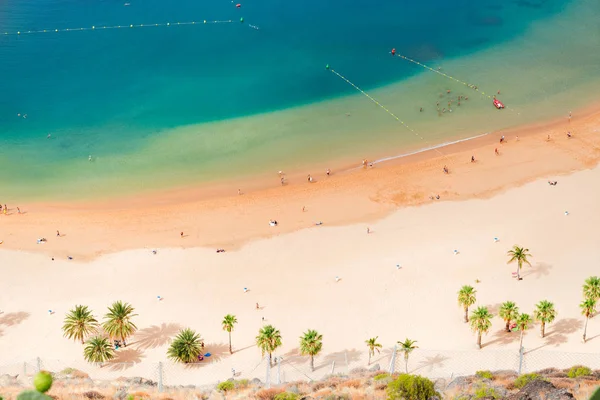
pixel 493 309
pixel 384 354
pixel 155 336
pixel 538 271
pixel 293 357
pixel 341 357
pixel 431 362
pixel 125 359
pixel 560 330
pixel 13 318
pixel 503 338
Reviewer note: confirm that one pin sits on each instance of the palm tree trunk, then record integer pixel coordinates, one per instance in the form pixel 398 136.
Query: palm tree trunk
pixel 369 358
pixel 507 328
pixel 312 363
pixel 518 272
pixel 123 341
pixel 479 339
pixel 543 329
pixel 585 328
pixel 230 351
pixel 270 360
pixel 406 363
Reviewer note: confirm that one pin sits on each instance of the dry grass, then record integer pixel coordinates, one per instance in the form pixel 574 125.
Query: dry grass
pixel 268 394
pixel 352 383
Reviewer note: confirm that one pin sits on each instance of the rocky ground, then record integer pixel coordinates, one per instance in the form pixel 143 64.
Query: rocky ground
pixel 550 384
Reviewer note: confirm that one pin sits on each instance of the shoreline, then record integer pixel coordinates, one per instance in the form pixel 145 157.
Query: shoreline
pixel 350 195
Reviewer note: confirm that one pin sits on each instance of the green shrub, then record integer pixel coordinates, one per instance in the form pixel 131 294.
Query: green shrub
pixel 242 384
pixel 286 396
pixel 484 374
pixel 525 379
pixel 484 391
pixel 412 387
pixel 579 370
pixel 226 386
pixel 67 371
pixel 381 377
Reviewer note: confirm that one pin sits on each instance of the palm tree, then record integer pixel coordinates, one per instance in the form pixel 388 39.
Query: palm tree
pixel 588 308
pixel 523 321
pixel 407 347
pixel 268 340
pixel 118 321
pixel 591 288
pixel 545 314
pixel 228 322
pixel 466 298
pixel 79 323
pixel 481 322
pixel 372 345
pixel 520 255
pixel 186 347
pixel 98 350
pixel 311 344
pixel 508 312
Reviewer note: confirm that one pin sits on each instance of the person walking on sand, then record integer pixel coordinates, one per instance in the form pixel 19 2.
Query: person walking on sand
pixel 472 158
pixel 496 151
pixel 446 171
pixel 257 307
pixel 328 172
pixel 368 230
pixel 181 234
pixel 18 210
pixel 57 233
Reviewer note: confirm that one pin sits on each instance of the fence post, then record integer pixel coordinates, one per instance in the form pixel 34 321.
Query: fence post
pixel 160 376
pixel 279 370
pixel 39 364
pixel 347 364
pixel 268 380
pixel 520 359
pixel 332 367
pixel 393 361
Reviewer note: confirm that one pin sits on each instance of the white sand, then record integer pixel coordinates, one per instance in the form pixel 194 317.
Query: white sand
pixel 293 277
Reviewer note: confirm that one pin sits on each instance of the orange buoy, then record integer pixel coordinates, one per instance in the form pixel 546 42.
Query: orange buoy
pixel 238 5
pixel 393 52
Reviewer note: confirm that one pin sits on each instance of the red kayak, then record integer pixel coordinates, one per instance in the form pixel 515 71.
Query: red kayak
pixel 498 104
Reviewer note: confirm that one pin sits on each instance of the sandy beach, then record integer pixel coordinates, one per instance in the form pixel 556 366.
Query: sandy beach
pixel 290 269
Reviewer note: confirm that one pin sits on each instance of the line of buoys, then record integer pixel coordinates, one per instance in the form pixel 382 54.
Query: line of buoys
pixel 97 28
pixel 437 71
pixel 328 67
pixel 369 97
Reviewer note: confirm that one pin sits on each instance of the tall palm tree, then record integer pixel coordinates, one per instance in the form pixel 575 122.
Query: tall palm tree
pixel 79 323
pixel 311 344
pixel 228 322
pixel 407 347
pixel 508 312
pixel 373 346
pixel 523 321
pixel 466 298
pixel 520 255
pixel 98 350
pixel 268 340
pixel 545 314
pixel 591 288
pixel 118 321
pixel 186 347
pixel 588 308
pixel 481 322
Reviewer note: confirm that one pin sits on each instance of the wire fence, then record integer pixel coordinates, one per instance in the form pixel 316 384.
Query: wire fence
pixel 443 364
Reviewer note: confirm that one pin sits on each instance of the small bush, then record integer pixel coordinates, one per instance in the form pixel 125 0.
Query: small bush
pixel 484 391
pixel 242 384
pixel 525 379
pixel 381 377
pixel 579 370
pixel 226 386
pixel 352 383
pixel 286 396
pixel 411 387
pixel 484 375
pixel 67 371
pixel 268 394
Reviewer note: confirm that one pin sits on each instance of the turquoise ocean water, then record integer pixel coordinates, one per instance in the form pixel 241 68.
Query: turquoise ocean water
pixel 167 106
